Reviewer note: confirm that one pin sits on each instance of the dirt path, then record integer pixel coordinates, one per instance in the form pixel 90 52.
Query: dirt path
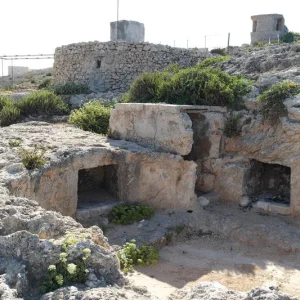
pixel 212 258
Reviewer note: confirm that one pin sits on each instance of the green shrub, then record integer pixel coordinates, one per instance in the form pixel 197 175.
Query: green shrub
pixel 9 115
pixel 130 255
pixel 232 127
pixel 49 74
pixel 43 102
pixel 70 89
pixel 146 87
pixel 272 100
pixel 288 38
pixel 14 143
pixel 66 272
pixel 260 44
pixel 93 116
pixel 196 86
pixel 199 85
pixel 33 158
pixel 212 61
pixel 4 101
pixel 220 51
pixel 129 213
pixel 172 68
pixel 45 84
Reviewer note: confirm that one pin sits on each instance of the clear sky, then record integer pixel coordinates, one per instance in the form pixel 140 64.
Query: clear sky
pixel 39 26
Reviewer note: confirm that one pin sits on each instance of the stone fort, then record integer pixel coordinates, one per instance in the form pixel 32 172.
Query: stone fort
pixel 112 66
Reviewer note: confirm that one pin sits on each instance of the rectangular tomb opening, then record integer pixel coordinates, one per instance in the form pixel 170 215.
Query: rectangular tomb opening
pixel 201 151
pixel 97 186
pixel 269 182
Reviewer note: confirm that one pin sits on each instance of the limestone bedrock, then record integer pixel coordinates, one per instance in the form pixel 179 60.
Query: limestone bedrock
pixel 142 175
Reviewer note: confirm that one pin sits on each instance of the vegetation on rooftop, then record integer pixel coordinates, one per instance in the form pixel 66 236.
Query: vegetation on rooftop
pixel 203 84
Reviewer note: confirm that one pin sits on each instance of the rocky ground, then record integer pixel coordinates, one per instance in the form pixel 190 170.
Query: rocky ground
pixel 266 65
pixel 212 253
pixel 31 239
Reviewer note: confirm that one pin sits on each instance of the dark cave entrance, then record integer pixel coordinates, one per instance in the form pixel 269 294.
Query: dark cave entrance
pixel 97 186
pixel 269 182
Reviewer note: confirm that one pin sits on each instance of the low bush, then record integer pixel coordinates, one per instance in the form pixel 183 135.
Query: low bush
pixel 45 84
pixel 66 272
pixel 93 116
pixel 272 100
pixel 33 158
pixel 42 103
pixel 4 101
pixel 129 213
pixel 209 86
pixel 9 115
pixel 146 87
pixel 290 37
pixel 220 51
pixel 232 126
pixel 212 61
pixel 202 84
pixel 260 44
pixel 70 89
pixel 130 255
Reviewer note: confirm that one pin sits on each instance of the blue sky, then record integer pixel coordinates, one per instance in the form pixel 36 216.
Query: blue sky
pixel 39 26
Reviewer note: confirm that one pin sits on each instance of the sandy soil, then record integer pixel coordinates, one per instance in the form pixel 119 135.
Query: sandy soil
pixel 211 258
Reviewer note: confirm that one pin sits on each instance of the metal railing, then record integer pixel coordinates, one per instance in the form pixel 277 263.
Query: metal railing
pixel 21 57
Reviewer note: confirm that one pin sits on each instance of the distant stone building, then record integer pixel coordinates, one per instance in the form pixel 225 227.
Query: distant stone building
pixel 127 31
pixel 17 71
pixel 113 66
pixel 268 28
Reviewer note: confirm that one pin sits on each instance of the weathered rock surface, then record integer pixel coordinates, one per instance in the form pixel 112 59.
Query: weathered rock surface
pixel 109 293
pixel 31 239
pixel 181 129
pixel 268 64
pixel 142 175
pixel 219 219
pixel 216 291
pixel 268 144
pixel 162 127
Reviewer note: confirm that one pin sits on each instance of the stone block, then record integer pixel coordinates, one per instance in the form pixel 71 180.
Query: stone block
pixel 127 31
pixel 277 208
